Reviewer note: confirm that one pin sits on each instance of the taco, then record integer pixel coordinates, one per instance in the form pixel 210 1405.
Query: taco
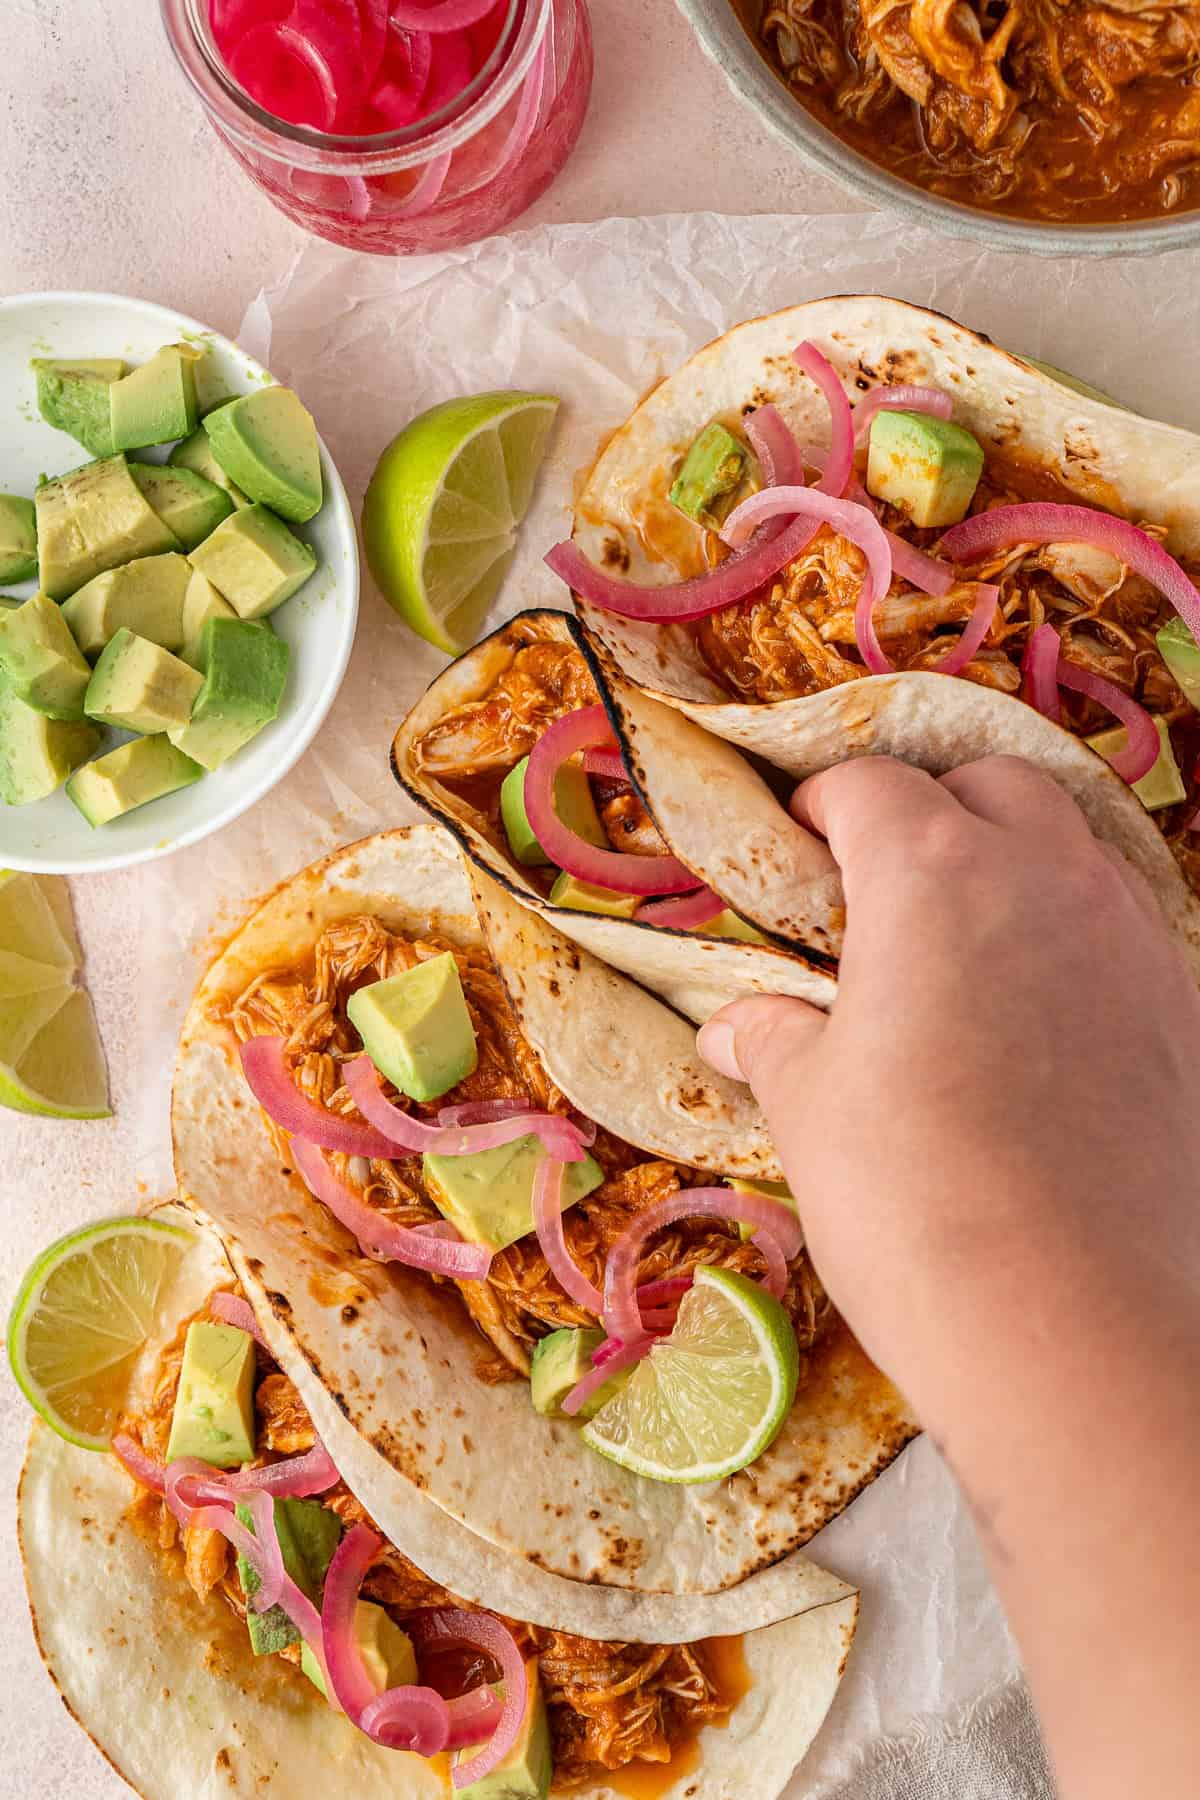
pixel 987 557
pixel 222 1612
pixel 490 1199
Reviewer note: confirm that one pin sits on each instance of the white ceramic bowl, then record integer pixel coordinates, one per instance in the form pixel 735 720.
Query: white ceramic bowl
pixel 317 624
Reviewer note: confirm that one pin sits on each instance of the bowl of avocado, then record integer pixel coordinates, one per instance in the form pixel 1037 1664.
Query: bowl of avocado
pixel 178 581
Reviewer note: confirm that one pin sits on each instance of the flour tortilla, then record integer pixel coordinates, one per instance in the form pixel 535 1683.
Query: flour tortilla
pixel 168 1690
pixel 1109 457
pixel 397 1358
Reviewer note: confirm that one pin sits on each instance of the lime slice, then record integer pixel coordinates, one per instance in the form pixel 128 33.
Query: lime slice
pixel 51 1061
pixel 440 515
pixel 710 1398
pixel 81 1317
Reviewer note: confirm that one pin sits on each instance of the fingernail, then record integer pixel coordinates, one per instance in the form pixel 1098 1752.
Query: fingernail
pixel 715 1042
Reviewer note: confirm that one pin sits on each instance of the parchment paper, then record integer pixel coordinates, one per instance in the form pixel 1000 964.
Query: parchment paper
pixel 595 314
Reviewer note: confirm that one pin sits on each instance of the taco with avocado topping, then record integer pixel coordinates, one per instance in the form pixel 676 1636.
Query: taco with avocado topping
pixel 484 1200
pixel 222 1612
pixel 850 528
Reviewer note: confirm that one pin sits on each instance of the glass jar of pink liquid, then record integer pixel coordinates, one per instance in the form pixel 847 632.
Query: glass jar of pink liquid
pixel 394 126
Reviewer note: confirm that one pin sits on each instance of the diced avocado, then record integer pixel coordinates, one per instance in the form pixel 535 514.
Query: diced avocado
pixel 201 602
pixel 254 561
pixel 18 538
pixel 1162 785
pixel 40 660
pixel 37 753
pixel 308 1535
pixel 572 802
pixel 777 1190
pixel 559 1363
pixel 387 1652
pixel 245 672
pixel 711 475
pixel 928 468
pixel 267 443
pixel 146 596
pixel 1181 653
pixel 93 519
pixel 195 453
pixel 1065 379
pixel 186 503
pixel 527 1770
pixel 156 403
pixel 73 397
pixel 416 1028
pixel 213 1417
pixel 728 925
pixel 585 896
pixel 147 768
pixel 488 1194
pixel 140 686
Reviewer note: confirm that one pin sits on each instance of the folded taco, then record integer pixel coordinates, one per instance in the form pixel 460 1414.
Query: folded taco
pixel 491 1212
pixel 856 527
pixel 222 1613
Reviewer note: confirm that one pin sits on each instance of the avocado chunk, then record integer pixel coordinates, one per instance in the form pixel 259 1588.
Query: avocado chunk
pixel 148 768
pixel 92 519
pixel 1181 653
pixel 559 1362
pixel 245 672
pixel 308 1535
pixel 927 468
pixel 711 476
pixel 186 503
pixel 254 561
pixel 18 538
pixel 416 1028
pixel 586 896
pixel 195 453
pixel 73 397
pixel 387 1652
pixel 201 602
pixel 40 660
pixel 1162 784
pixel 266 442
pixel 140 686
pixel 156 403
pixel 488 1194
pixel 37 753
pixel 777 1190
pixel 527 1770
pixel 146 596
pixel 213 1417
pixel 728 925
pixel 572 802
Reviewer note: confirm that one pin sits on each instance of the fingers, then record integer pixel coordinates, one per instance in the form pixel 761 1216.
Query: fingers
pixel 1010 792
pixel 855 803
pixel 765 1041
pixel 1135 881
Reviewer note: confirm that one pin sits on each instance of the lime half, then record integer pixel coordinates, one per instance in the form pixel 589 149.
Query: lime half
pixel 440 515
pixel 709 1399
pixel 51 1061
pixel 82 1316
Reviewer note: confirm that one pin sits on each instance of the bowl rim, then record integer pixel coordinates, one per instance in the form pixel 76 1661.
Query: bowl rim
pixel 728 44
pixel 334 671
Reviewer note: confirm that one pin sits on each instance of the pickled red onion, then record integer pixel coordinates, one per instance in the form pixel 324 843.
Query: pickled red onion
pixel 584 729
pixel 903 397
pixel 407 1135
pixel 145 1471
pixel 840 462
pixel 977 627
pixel 683 911
pixel 446 15
pixel 425 190
pixel 1044 522
pixel 450 71
pixel 263 53
pixel 231 1310
pixel 380 1237
pixel 1039 671
pixel 483 1112
pixel 265 1068
pixel 775 445
pixel 482 1631
pixel 1141 752
pixel 776 1279
pixel 622 1356
pixel 925 572
pixel 609 764
pixel 373 21
pixel 295 1478
pixel 211 1509
pixel 547 1222
pixel 416 1718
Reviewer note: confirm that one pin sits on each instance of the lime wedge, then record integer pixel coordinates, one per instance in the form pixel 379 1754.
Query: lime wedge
pixel 82 1316
pixel 709 1399
pixel 51 1061
pixel 440 515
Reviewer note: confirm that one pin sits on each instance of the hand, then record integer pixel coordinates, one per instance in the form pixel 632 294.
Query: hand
pixel 994 1139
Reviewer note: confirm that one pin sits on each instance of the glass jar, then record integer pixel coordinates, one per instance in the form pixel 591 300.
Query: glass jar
pixel 462 175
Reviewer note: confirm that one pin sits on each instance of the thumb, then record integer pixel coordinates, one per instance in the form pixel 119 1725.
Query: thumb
pixel 764 1041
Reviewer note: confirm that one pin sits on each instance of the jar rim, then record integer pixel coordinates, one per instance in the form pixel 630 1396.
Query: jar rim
pixel 255 129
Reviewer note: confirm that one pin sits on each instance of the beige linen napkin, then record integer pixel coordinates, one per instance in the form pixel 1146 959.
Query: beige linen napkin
pixel 991 1751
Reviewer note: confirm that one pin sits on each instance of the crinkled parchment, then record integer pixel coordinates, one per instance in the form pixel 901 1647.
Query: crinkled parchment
pixel 596 314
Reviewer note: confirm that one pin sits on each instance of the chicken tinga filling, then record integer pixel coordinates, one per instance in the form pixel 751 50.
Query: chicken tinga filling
pixel 907 544
pixel 244 1502
pixel 397 1083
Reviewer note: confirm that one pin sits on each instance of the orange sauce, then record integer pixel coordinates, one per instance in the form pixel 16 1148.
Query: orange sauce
pixel 725 1660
